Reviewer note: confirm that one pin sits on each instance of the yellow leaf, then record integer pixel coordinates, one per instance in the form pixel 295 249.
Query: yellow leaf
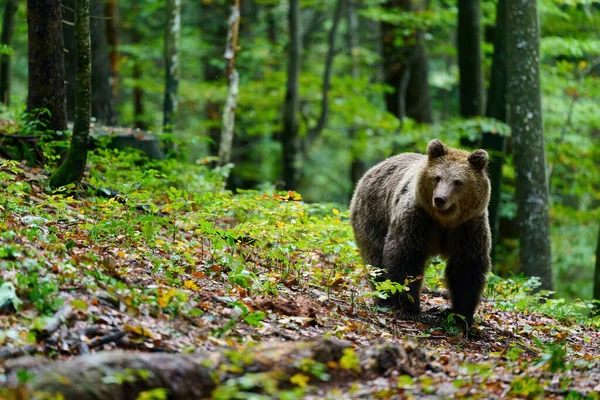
pixel 336 211
pixel 121 253
pixel 191 285
pixel 300 380
pixel 164 299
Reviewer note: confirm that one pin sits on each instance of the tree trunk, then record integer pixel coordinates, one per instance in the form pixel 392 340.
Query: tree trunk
pixel 172 34
pixel 111 11
pixel 525 116
pixel 138 92
pixel 232 83
pixel 357 164
pixel 314 133
pixel 216 35
pixel 103 100
pixel 496 99
pixel 405 69
pixel 496 108
pixel 46 63
pixel 8 27
pixel 470 59
pixel 289 137
pixel 69 46
pixel 72 169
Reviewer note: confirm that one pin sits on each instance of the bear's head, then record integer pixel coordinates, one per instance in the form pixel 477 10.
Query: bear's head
pixel 453 185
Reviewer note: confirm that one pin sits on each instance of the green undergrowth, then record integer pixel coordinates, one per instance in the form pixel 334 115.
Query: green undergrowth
pixel 181 224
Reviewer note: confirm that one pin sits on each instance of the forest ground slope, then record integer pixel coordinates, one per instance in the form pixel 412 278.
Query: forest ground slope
pixel 160 261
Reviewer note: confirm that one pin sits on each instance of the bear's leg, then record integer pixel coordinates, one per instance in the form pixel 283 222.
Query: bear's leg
pixel 467 268
pixel 405 263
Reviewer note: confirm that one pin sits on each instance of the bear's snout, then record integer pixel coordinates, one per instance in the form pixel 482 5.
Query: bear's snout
pixel 439 202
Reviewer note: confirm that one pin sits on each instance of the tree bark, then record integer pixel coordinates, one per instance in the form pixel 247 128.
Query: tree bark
pixel 496 108
pixel 172 33
pixel 71 171
pixel 357 164
pixel 525 116
pixel 46 63
pixel 111 11
pixel 8 26
pixel 470 64
pixel 289 137
pixel 405 69
pixel 232 83
pixel 103 99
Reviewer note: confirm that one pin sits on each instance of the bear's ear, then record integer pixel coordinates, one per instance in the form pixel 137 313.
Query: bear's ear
pixel 479 159
pixel 436 149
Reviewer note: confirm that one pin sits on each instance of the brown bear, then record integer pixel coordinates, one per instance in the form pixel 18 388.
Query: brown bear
pixel 411 207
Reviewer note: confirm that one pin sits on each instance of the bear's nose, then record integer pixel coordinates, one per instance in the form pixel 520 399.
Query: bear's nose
pixel 439 201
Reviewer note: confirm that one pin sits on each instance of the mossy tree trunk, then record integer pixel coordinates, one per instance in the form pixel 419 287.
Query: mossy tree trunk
pixel 8 27
pixel 46 65
pixel 289 136
pixel 496 108
pixel 172 33
pixel 525 118
pixel 72 169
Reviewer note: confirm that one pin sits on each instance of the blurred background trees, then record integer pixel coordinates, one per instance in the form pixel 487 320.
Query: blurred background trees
pixel 329 88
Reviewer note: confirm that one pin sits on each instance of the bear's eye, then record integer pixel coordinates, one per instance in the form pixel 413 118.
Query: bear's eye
pixel 457 182
pixel 438 178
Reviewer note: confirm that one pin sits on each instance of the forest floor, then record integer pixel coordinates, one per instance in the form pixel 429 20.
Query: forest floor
pixel 158 269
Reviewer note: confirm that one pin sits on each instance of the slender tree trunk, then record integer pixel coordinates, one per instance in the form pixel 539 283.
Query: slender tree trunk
pixel 8 27
pixel 232 82
pixel 217 36
pixel 172 34
pixel 405 69
pixel 46 64
pixel 289 137
pixel 470 63
pixel 271 25
pixel 111 11
pixel 496 99
pixel 597 275
pixel 71 171
pixel 138 91
pixel 357 165
pixel 69 46
pixel 314 133
pixel 525 116
pixel 496 108
pixel 103 100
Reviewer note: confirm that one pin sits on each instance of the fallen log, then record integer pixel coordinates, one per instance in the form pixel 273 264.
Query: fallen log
pixel 124 375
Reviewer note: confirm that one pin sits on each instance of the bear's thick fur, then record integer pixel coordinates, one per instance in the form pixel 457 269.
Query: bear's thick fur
pixel 411 207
